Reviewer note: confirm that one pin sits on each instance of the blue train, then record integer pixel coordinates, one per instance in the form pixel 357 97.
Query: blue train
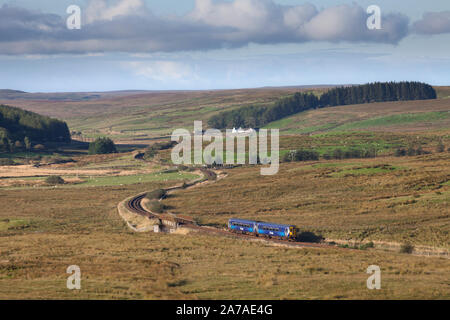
pixel 265 229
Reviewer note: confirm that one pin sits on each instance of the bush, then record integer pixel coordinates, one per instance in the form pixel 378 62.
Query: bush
pixel 355 153
pixel 301 155
pixel 366 246
pixel 156 207
pixel 6 162
pixel 54 180
pixel 411 151
pixel 156 194
pixel 210 175
pixel 440 147
pixel 407 248
pixel 400 152
pixel 306 155
pixel 150 154
pixel 152 151
pixel 102 146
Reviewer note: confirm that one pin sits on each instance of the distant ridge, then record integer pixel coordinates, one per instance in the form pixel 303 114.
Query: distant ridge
pixel 8 94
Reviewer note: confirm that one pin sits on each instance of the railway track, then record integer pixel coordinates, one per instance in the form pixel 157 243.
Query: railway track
pixel 135 206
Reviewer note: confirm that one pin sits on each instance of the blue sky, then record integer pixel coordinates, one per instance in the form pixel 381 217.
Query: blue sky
pixel 163 45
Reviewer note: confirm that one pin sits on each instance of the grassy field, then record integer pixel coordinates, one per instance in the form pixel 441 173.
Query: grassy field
pixel 386 199
pixel 403 200
pixel 81 226
pixel 403 116
pixel 145 115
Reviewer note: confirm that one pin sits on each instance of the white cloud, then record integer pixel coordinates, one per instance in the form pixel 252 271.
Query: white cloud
pixel 100 10
pixel 433 23
pixel 128 26
pixel 161 70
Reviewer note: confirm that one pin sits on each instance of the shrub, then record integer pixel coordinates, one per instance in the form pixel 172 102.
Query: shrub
pixel 6 162
pixel 54 180
pixel 411 151
pixel 102 146
pixel 400 152
pixel 150 154
pixel 367 245
pixel 301 155
pixel 407 248
pixel 440 147
pixel 306 155
pixel 152 151
pixel 156 194
pixel 420 151
pixel 156 207
pixel 210 175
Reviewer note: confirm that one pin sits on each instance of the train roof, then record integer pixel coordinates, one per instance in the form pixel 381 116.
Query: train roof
pixel 241 220
pixel 262 223
pixel 268 224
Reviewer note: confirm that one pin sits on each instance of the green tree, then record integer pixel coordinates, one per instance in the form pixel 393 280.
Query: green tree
pixel 27 143
pixel 102 146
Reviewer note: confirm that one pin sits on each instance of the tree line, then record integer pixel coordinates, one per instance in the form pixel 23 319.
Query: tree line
pixel 22 128
pixel 258 116
pixel 378 92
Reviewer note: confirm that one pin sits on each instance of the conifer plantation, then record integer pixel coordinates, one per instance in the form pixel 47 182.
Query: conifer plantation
pixel 256 116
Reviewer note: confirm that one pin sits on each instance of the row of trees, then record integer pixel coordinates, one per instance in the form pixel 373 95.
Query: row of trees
pixel 255 117
pixel 8 145
pixel 338 153
pixel 378 92
pixel 18 126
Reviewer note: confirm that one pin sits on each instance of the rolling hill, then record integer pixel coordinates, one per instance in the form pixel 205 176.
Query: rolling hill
pixel 139 116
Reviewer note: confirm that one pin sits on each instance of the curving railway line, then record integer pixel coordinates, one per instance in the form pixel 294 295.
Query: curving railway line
pixel 135 206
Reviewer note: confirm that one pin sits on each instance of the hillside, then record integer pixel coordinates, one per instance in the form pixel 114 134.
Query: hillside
pixel 147 115
pixel 140 116
pixel 22 127
pixel 402 116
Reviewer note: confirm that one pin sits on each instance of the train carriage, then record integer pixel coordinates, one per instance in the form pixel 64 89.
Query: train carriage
pixel 243 226
pixel 264 229
pixel 276 230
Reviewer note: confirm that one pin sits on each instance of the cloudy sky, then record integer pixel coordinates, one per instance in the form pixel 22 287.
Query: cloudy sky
pixel 209 44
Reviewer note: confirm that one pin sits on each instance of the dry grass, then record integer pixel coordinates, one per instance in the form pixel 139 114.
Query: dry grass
pixel 402 116
pixel 81 226
pixel 388 199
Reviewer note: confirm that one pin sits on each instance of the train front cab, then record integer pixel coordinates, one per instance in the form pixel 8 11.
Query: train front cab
pixel 292 233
